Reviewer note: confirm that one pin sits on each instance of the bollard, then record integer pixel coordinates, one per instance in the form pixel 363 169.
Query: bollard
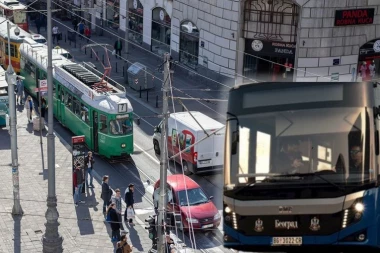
pixel 116 67
pixel 65 38
pixel 75 44
pixel 97 53
pixel 147 95
pixel 183 108
pixel 123 71
pixel 85 50
pixel 103 58
pixel 140 91
pixel 157 101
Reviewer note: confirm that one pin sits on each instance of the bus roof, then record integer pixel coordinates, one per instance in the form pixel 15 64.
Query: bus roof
pixel 12 5
pixel 4 31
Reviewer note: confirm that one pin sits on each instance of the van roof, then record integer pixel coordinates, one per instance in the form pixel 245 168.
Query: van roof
pixel 206 122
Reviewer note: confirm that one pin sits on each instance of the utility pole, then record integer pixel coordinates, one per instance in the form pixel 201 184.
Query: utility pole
pixel 163 159
pixel 11 80
pixel 52 241
pixel 126 28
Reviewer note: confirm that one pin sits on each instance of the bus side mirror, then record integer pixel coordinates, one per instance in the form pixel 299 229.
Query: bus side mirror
pixel 156 129
pixel 377 142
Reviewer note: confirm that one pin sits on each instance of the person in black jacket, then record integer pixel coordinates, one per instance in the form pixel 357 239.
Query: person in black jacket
pixel 88 168
pixel 106 193
pixel 115 225
pixel 129 200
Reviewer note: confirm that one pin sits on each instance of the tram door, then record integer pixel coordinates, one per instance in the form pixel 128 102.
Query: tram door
pixel 95 129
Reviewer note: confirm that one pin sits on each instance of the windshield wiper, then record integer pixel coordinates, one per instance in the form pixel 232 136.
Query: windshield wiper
pixel 311 174
pixel 200 202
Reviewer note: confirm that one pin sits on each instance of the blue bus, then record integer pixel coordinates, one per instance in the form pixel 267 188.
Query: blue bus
pixel 302 168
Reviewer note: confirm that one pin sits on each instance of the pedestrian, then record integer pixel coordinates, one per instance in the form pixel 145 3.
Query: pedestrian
pixel 75 24
pixel 114 221
pixel 38 24
pixel 129 200
pixel 87 33
pixel 81 29
pixel 29 108
pixel 123 246
pixel 89 165
pixel 78 180
pixel 117 201
pixel 118 47
pixel 19 91
pixel 106 193
pixel 43 107
pixel 55 34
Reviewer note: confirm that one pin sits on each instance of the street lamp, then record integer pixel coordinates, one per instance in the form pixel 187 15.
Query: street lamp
pixel 10 76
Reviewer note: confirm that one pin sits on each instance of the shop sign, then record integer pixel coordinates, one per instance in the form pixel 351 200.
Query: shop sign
pixel 354 17
pixel 271 47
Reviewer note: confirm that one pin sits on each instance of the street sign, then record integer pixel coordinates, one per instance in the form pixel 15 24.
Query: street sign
pixel 43 86
pixel 78 154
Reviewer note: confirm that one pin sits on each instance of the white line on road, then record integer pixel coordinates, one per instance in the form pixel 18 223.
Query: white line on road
pixel 151 157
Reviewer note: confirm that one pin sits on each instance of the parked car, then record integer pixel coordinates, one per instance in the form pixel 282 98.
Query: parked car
pixel 185 129
pixel 188 200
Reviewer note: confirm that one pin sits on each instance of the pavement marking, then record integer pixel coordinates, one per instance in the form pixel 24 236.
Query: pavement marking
pixel 146 153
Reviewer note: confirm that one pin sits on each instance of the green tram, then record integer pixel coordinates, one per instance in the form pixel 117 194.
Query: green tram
pixel 100 112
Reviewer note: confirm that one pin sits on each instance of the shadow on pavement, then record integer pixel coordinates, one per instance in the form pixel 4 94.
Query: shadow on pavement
pixel 135 239
pixel 84 221
pixel 17 233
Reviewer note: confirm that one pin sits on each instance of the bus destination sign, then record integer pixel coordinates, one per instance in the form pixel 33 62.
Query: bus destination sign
pixel 354 17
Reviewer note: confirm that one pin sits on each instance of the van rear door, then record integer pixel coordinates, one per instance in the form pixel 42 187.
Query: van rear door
pixel 218 140
pixel 205 150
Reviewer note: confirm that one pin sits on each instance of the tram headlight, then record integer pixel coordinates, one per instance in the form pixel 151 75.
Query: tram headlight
pixel 359 207
pixel 123 145
pixel 227 209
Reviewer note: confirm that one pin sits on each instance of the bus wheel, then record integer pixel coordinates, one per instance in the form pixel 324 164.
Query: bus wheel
pixel 156 147
pixel 186 168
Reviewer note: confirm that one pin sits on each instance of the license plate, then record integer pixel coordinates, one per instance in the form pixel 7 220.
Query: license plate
pixel 208 226
pixel 285 241
pixel 204 162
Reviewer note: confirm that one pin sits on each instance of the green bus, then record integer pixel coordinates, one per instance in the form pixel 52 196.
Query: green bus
pixel 82 102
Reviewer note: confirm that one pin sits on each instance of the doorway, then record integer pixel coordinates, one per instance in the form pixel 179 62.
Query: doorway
pixel 95 130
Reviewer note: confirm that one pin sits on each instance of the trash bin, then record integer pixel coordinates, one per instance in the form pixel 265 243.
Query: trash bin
pixel 71 36
pixel 138 77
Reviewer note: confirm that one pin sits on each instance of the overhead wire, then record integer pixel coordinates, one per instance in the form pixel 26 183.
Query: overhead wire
pixel 235 50
pixel 127 61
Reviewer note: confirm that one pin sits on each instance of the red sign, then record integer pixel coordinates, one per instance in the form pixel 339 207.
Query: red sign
pixel 40 89
pixel 354 17
pixel 77 139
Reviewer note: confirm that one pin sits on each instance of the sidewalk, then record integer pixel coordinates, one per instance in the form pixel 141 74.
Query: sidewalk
pixel 83 228
pixel 187 85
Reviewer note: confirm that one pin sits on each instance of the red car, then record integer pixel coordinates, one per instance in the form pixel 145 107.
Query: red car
pixel 199 212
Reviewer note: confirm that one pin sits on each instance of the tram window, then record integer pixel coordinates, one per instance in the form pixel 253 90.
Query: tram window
pixel 121 126
pixel 76 107
pixel 62 96
pixel 13 50
pixel 68 101
pixel 84 114
pixel 103 124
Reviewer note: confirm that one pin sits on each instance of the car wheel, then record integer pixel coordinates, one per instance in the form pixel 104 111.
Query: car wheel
pixel 156 147
pixel 186 169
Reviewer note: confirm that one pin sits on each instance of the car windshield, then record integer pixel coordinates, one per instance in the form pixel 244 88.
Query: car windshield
pixel 194 197
pixel 42 41
pixel 121 126
pixel 325 145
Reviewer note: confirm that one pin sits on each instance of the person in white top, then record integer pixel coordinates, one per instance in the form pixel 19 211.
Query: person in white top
pixel 55 34
pixel 372 70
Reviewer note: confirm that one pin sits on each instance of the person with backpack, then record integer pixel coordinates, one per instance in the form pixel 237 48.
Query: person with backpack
pixel 123 246
pixel 114 221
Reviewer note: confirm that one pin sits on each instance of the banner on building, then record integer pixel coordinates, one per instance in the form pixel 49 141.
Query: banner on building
pixel 354 17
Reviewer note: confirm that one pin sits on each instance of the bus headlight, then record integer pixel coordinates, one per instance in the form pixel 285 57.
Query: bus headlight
pixel 359 207
pixel 227 209
pixel 123 145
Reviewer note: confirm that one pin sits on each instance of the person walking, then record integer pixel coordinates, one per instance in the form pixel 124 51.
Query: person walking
pixel 106 193
pixel 89 165
pixel 55 34
pixel 87 33
pixel 75 24
pixel 114 221
pixel 78 180
pixel 117 201
pixel 118 47
pixel 123 246
pixel 43 107
pixel 129 200
pixel 19 91
pixel 29 108
pixel 81 29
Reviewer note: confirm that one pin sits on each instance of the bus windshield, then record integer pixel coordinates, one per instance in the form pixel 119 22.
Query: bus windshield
pixel 121 126
pixel 316 145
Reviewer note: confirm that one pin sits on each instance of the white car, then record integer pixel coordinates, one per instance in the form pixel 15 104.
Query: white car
pixel 39 39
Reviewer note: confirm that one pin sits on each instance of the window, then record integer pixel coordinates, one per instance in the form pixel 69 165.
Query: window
pixel 62 96
pixel 76 107
pixel 195 196
pixel 68 101
pixel 174 137
pixel 84 114
pixel 14 51
pixel 121 126
pixel 103 124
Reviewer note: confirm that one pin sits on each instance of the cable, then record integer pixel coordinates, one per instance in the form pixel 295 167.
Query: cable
pixel 116 35
pixel 235 50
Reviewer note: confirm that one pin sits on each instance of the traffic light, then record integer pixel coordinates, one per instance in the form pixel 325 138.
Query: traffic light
pixel 152 228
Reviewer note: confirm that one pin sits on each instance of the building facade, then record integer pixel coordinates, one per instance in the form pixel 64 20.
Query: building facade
pixel 258 40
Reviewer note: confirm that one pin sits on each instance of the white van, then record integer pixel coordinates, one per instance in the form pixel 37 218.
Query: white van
pixel 184 131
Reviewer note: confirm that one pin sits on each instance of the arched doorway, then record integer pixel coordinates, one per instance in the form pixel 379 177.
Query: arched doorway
pixel 161 30
pixel 135 21
pixel 369 61
pixel 189 44
pixel 270 32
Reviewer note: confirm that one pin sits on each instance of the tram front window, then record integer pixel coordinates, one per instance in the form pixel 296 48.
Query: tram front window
pixel 121 126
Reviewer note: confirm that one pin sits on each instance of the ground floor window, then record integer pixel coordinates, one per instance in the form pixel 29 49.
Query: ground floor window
pixel 112 14
pixel 189 44
pixel 161 31
pixel 135 21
